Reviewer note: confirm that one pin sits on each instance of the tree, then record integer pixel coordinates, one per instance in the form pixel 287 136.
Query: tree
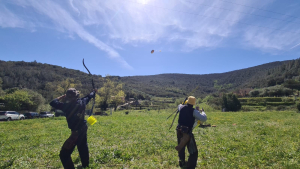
pixel 58 88
pixel 292 84
pixel 279 80
pixel 254 93
pixel 277 90
pixel 230 102
pixel 1 91
pixel 24 99
pixel 219 87
pixel 18 100
pixel 117 99
pixel 109 89
pixel 44 107
pixel 36 98
pixel 64 85
pixel 224 102
pixel 97 102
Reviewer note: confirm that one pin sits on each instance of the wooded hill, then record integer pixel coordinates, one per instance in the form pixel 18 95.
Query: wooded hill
pixel 178 85
pixel 45 79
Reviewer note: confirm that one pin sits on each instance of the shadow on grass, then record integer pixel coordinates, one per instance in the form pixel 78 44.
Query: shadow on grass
pixel 8 164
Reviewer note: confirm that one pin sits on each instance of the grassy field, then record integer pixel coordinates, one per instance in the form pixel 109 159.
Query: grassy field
pixel 143 140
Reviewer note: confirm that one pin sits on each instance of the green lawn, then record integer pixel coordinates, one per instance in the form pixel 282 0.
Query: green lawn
pixel 143 140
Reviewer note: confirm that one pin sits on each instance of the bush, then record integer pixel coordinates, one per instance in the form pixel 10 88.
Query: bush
pixel 273 99
pixel 287 99
pixel 269 107
pixel 243 100
pixel 206 107
pixel 44 107
pixel 208 98
pixel 280 108
pixel 280 103
pixel 298 106
pixel 271 91
pixel 24 99
pixel 230 102
pixel 254 93
pixel 263 101
pixel 179 101
pixel 249 108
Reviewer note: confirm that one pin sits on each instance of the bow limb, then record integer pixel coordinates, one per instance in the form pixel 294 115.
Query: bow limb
pixel 92 85
pixel 86 67
pixel 89 73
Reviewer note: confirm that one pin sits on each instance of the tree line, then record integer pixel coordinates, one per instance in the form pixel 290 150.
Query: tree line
pixel 110 94
pixel 51 81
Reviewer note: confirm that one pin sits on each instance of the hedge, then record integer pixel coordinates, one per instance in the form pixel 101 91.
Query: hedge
pixel 280 103
pixel 260 99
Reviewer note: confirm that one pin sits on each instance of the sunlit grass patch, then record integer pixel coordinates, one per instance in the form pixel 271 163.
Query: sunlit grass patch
pixel 143 140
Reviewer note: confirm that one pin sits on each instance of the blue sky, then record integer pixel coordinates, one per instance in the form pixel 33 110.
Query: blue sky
pixel 116 37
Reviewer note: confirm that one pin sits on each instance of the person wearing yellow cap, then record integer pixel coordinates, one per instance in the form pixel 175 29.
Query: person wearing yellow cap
pixel 74 108
pixel 185 137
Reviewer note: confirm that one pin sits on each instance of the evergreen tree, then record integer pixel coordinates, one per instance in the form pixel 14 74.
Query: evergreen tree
pixel 230 102
pixel 292 84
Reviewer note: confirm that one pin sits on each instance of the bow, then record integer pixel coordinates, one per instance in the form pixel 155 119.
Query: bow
pixel 176 114
pixel 92 85
pixel 182 103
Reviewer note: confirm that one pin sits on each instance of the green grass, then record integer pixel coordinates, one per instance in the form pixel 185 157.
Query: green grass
pixel 142 139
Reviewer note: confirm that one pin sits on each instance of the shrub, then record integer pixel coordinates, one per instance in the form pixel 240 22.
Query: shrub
pixel 298 106
pixel 206 107
pixel 271 91
pixel 254 93
pixel 280 103
pixel 207 98
pixel 230 102
pixel 268 107
pixel 280 108
pixel 273 99
pixel 243 100
pixel 287 99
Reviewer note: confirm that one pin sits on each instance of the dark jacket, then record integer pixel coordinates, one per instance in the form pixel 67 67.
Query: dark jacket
pixel 75 111
pixel 186 117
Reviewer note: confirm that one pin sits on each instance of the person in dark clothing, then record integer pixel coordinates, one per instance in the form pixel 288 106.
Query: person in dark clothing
pixel 74 108
pixel 185 138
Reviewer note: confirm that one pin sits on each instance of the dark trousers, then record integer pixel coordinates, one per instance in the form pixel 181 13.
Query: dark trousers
pixel 78 139
pixel 192 161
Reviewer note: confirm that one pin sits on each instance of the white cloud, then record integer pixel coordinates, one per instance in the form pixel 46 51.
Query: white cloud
pixel 271 40
pixel 295 46
pixel 191 24
pixel 9 19
pixel 73 7
pixel 65 22
pixel 195 25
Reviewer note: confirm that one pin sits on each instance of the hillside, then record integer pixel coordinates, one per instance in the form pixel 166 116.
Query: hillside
pixel 44 78
pixel 174 85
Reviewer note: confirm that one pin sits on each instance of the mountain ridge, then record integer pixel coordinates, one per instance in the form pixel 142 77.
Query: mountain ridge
pixel 39 76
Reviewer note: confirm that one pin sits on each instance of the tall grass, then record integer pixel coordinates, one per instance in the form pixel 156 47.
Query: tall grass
pixel 142 139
